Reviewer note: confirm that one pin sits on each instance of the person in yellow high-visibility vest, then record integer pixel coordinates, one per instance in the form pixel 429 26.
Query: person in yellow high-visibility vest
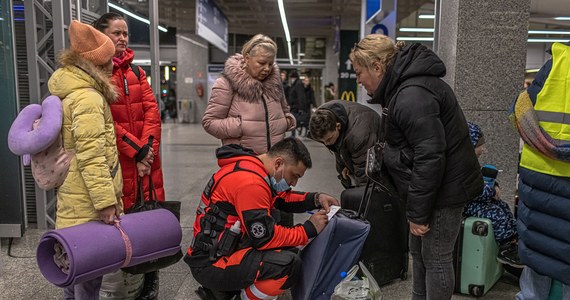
pixel 544 187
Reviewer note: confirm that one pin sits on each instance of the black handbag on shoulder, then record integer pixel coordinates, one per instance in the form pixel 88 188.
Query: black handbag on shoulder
pixel 374 169
pixel 141 205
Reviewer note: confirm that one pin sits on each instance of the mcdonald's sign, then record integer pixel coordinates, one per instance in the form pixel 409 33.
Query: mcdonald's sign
pixel 347 87
pixel 348 96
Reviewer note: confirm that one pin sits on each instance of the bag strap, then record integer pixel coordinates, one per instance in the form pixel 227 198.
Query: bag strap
pixel 381 143
pixel 152 192
pixel 392 102
pixel 136 70
pixel 140 191
pixel 127 241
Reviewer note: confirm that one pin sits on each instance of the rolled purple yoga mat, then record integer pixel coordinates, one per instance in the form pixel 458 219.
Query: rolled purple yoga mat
pixel 95 248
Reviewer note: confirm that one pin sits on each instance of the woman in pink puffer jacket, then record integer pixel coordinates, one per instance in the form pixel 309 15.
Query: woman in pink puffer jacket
pixel 247 105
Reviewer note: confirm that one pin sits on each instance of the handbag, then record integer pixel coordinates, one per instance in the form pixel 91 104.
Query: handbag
pixel 140 206
pixel 152 203
pixel 375 158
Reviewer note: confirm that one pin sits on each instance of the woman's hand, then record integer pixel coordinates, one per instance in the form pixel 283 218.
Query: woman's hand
pixel 143 169
pixel 291 121
pixel 418 230
pixel 108 214
pixel 149 158
pixel 345 172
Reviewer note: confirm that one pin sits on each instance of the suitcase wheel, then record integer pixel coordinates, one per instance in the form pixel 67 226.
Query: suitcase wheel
pixel 476 290
pixel 480 228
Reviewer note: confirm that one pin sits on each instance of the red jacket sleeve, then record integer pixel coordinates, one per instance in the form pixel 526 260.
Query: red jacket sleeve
pixel 127 143
pixel 152 123
pixel 253 203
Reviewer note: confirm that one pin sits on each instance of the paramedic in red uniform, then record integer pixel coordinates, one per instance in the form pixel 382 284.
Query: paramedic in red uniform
pixel 238 246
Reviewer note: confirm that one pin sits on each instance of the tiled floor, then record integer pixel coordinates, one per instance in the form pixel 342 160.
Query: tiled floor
pixel 188 162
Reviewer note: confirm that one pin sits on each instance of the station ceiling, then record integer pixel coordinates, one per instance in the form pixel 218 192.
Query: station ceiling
pixel 313 18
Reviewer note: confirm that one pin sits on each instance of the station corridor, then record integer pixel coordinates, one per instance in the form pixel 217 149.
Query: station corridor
pixel 188 162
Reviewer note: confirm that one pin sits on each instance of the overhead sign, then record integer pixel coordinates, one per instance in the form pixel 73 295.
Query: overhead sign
pixel 384 23
pixel 387 26
pixel 373 7
pixel 347 77
pixel 214 71
pixel 212 24
pixel 348 96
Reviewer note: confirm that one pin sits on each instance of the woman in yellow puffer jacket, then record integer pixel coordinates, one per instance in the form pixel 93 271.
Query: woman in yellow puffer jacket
pixel 92 188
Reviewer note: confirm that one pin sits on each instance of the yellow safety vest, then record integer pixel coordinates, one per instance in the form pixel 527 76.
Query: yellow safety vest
pixel 552 108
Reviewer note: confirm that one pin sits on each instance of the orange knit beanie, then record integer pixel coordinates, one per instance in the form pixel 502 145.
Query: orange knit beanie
pixel 90 43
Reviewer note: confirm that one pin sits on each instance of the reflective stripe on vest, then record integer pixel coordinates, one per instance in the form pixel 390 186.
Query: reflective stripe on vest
pixel 553 111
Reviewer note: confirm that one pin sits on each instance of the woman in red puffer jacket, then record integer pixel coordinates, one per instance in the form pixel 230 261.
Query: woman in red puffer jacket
pixel 136 115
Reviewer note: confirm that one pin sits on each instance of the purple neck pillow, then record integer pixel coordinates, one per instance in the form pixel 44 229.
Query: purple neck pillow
pixel 24 140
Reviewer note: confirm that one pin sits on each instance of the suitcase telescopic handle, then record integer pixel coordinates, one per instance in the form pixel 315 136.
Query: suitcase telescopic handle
pixel 362 207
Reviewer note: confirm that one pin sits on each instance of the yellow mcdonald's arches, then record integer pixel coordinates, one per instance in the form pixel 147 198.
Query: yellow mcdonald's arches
pixel 348 96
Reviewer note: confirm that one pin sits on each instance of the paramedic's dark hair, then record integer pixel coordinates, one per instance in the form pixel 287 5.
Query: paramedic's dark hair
pixel 293 149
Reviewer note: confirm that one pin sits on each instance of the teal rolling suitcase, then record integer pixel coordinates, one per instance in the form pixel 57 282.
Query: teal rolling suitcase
pixel 476 265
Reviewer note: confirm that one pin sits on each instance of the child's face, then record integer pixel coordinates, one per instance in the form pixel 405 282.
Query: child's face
pixel 481 149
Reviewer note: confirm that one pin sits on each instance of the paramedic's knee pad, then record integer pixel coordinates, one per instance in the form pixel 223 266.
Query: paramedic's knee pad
pixel 278 264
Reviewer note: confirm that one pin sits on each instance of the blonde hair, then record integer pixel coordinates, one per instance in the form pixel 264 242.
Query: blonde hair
pixel 374 49
pixel 259 40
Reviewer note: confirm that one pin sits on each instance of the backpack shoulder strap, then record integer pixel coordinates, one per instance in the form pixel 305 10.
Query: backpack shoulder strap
pixel 136 70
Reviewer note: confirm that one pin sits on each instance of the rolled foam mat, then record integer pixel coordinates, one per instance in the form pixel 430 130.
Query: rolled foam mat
pixel 96 248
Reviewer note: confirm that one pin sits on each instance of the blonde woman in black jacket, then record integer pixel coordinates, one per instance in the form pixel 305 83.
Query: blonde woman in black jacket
pixel 428 152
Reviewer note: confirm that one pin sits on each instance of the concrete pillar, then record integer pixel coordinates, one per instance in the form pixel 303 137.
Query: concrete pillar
pixel 192 61
pixel 483 45
pixel 330 72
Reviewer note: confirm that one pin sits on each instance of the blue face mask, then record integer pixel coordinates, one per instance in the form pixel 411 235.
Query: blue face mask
pixel 280 186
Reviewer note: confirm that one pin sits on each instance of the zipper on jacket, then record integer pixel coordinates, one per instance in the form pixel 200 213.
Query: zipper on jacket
pixel 266 123
pixel 126 85
pixel 127 99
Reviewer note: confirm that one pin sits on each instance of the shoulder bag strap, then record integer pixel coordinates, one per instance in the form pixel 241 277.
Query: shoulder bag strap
pixel 136 70
pixel 151 191
pixel 140 191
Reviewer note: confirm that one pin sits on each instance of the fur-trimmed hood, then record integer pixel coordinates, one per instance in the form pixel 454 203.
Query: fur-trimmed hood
pixel 249 88
pixel 77 73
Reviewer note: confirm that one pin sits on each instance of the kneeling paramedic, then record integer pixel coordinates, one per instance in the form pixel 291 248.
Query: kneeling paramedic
pixel 237 243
